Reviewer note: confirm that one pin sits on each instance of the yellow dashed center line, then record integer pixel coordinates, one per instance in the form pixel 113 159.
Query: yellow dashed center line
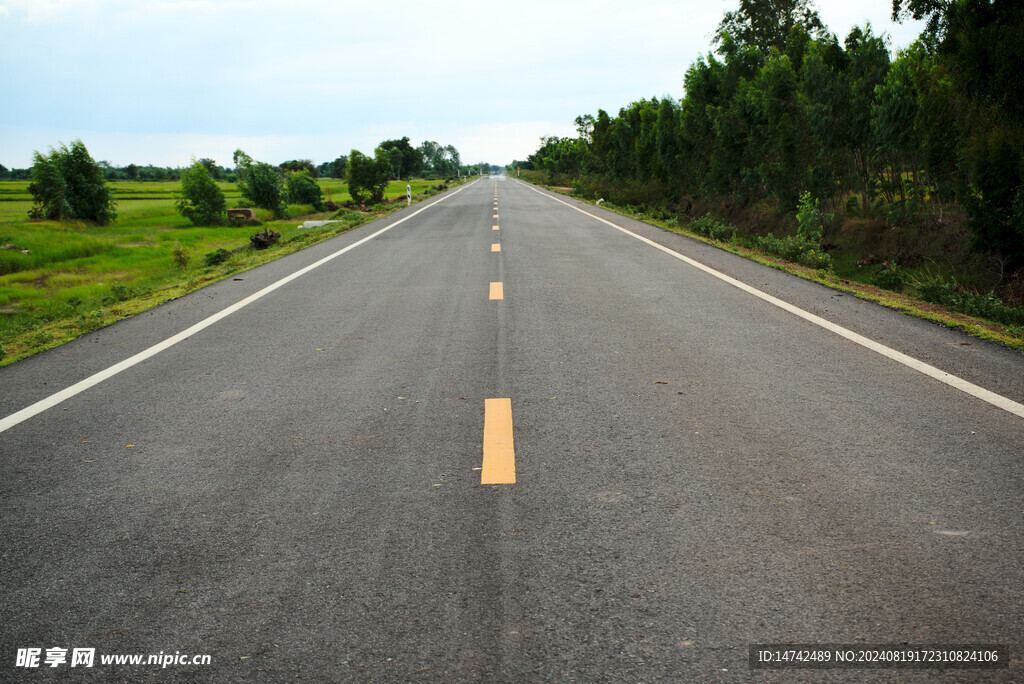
pixel 494 227
pixel 499 465
pixel 495 247
pixel 497 291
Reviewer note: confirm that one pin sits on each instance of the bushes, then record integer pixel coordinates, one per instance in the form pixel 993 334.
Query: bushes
pixel 201 201
pixel 303 189
pixel 260 183
pixel 68 184
pixel 808 219
pixel 709 227
pixel 218 256
pixel 179 255
pixel 889 277
pixel 368 177
pixel 949 294
pixel 795 248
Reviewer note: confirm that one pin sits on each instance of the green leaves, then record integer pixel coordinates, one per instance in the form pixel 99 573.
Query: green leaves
pixel 303 189
pixel 68 184
pixel 201 200
pixel 368 176
pixel 260 183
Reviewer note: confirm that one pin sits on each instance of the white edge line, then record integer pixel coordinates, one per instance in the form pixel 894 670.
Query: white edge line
pixel 954 381
pixel 95 379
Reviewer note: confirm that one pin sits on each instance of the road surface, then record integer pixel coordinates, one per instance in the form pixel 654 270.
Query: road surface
pixel 683 468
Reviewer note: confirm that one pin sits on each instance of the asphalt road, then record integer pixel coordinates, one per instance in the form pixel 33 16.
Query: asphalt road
pixel 295 490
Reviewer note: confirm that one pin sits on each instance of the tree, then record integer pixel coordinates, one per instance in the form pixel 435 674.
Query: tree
pixel 260 183
pixel 766 24
pixel 667 140
pixel 978 67
pixel 240 159
pixel 368 176
pixel 868 65
pixel 132 171
pixel 201 200
pixel 299 165
pixel 996 205
pixel 893 115
pixel 68 184
pixel 216 173
pixel 303 189
pixel 430 151
pixel 406 160
pixel 453 156
pixel 442 160
pixel 395 160
pixel 339 167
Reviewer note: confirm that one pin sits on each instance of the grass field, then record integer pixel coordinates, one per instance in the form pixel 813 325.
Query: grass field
pixel 60 280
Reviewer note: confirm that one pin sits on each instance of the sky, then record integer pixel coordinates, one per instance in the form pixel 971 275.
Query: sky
pixel 162 81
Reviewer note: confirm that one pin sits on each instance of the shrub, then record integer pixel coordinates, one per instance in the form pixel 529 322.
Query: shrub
pixel 368 177
pixel 120 292
pixel 808 219
pixel 303 189
pixel 218 256
pixel 68 184
pixel 201 200
pixel 949 294
pixel 260 183
pixel 709 227
pixel 792 248
pixel 890 277
pixel 180 255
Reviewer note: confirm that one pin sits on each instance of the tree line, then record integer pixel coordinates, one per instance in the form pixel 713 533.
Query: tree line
pixel 68 184
pixel 782 106
pixel 429 159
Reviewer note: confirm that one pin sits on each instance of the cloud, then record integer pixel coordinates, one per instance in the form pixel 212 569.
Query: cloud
pixel 488 77
pixel 42 10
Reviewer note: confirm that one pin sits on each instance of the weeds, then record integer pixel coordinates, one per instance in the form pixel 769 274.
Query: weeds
pixel 180 255
pixel 793 248
pixel 709 227
pixel 808 220
pixel 120 293
pixel 217 256
pixel 950 294
pixel 889 277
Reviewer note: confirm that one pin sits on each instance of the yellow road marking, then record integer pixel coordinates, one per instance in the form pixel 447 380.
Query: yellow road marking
pixel 496 247
pixel 494 227
pixel 495 216
pixel 497 291
pixel 499 465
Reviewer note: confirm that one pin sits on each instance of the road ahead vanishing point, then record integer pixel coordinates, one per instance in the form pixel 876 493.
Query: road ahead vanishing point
pixel 497 437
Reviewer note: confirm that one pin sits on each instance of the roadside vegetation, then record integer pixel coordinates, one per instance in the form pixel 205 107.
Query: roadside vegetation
pixel 911 164
pixel 64 273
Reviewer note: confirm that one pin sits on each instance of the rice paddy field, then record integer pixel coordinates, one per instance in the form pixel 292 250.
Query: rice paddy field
pixel 59 280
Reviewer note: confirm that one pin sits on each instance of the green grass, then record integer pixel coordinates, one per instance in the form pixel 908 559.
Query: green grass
pixel 76 277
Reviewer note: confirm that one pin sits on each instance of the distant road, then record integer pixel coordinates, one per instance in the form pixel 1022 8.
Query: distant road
pixel 685 467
